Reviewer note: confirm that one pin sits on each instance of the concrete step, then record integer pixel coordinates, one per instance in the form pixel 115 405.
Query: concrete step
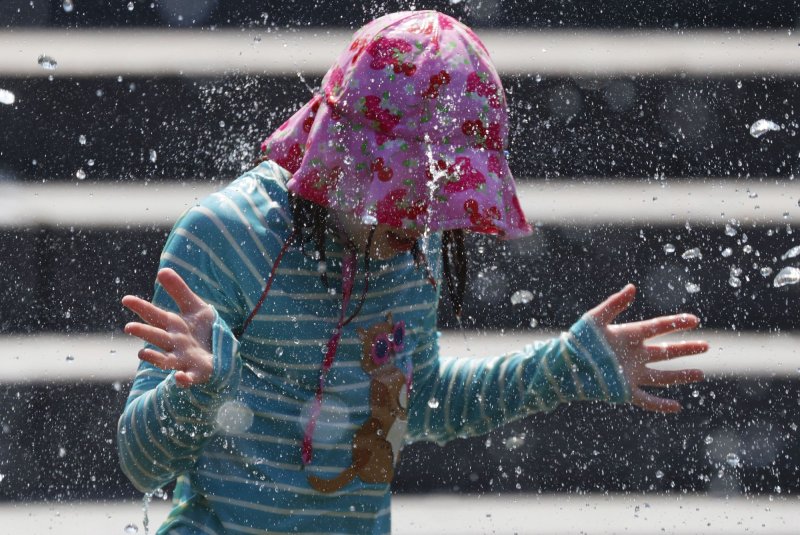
pixel 446 514
pixel 264 51
pixel 111 357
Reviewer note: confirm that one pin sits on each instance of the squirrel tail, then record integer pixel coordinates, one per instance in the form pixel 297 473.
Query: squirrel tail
pixel 332 485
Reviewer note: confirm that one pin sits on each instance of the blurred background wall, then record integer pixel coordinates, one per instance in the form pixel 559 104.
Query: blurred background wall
pixel 631 141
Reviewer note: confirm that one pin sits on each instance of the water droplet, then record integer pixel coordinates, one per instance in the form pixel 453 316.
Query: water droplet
pixel 433 403
pixel 752 194
pixel 69 358
pixel 729 230
pixel 153 156
pixel 47 63
pixel 747 249
pixel 131 528
pixel 733 460
pixel 695 393
pixel 521 297
pixel 791 253
pixel 369 219
pixel 738 84
pixel 7 97
pixel 117 386
pixel 80 174
pixel 234 417
pixel 659 474
pixel 762 126
pixel 90 162
pixel 67 6
pixel 735 282
pixel 62 452
pixel 709 439
pixel 82 139
pixel 692 254
pixel 692 288
pixel 786 276
pixel 130 6
pixel 766 271
pixel 669 248
pixel 736 271
pixel 322 267
pixel 279 352
pixel 726 252
pixel 515 441
pixel 534 323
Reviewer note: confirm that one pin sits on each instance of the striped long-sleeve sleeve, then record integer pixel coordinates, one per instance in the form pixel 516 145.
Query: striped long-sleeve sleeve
pixel 164 427
pixel 470 396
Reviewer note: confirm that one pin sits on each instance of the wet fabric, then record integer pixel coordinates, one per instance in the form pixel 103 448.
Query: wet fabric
pixel 409 130
pixel 235 441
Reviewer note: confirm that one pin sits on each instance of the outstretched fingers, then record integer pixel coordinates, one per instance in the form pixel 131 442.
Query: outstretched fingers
pixel 176 287
pixel 653 403
pixel 613 306
pixel 147 311
pixel 154 335
pixel 671 350
pixel 663 325
pixel 671 377
pixel 165 361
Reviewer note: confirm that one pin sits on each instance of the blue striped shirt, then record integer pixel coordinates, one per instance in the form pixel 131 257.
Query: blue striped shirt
pixel 234 443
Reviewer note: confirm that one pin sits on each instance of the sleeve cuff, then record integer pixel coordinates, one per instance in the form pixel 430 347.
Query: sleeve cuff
pixel 227 362
pixel 595 363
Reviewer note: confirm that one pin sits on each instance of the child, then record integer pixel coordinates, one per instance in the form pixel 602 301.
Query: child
pixel 280 399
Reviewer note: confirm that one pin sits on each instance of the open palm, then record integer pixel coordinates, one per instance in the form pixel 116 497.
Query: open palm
pixel 184 338
pixel 629 343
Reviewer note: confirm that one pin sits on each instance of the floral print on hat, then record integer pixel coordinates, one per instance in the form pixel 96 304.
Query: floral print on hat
pixel 409 130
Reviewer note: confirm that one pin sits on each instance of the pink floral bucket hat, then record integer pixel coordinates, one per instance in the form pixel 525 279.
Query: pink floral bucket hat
pixel 410 131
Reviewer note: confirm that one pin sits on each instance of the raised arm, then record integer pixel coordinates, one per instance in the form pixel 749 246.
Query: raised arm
pixel 190 364
pixel 594 360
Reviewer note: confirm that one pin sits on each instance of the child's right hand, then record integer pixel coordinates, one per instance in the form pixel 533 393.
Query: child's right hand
pixel 184 338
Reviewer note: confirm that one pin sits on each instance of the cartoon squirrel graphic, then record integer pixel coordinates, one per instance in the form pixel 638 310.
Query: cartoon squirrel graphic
pixel 376 444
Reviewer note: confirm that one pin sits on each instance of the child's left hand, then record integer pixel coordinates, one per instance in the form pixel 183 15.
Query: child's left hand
pixel 628 342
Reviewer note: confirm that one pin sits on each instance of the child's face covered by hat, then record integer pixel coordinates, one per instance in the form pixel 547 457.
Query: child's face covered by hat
pixel 409 132
pixel 387 241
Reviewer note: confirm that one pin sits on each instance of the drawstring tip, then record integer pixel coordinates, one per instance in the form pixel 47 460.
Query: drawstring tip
pixel 307 452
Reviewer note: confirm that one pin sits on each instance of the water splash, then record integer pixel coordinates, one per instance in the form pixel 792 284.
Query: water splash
pixel 514 441
pixel 692 254
pixel 762 126
pixel 521 297
pixel 47 63
pixel 7 97
pixel 786 276
pixel 146 499
pixel 791 253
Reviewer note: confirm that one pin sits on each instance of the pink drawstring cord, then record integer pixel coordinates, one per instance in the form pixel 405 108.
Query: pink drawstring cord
pixel 348 279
